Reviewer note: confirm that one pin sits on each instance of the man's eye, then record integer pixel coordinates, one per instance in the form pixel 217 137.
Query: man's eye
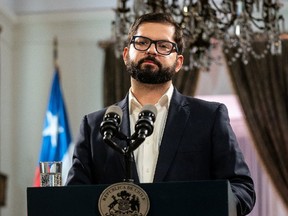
pixel 163 45
pixel 141 42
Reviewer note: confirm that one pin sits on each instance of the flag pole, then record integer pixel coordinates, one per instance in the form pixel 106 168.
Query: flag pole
pixel 55 52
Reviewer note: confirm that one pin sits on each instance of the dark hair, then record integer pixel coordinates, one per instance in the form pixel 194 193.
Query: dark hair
pixel 159 18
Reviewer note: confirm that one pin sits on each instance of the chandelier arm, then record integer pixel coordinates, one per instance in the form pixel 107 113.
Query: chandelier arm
pixel 229 22
pixel 256 24
pixel 255 20
pixel 222 11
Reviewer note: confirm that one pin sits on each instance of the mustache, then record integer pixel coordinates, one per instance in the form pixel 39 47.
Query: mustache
pixel 150 58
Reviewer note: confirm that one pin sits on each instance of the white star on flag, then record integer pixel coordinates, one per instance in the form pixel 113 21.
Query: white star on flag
pixel 53 128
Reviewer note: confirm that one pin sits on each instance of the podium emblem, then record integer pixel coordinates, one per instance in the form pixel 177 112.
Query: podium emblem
pixel 123 199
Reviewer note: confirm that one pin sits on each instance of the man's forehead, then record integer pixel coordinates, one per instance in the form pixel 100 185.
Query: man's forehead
pixel 156 31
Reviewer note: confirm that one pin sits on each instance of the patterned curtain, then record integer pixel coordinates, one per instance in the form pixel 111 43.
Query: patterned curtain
pixel 262 87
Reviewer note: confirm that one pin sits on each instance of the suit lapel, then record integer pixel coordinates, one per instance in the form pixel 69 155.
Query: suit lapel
pixel 177 119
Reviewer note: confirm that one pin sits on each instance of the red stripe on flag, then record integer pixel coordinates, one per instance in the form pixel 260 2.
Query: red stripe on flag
pixel 37 177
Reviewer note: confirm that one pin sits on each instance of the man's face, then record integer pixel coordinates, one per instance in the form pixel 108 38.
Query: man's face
pixel 150 66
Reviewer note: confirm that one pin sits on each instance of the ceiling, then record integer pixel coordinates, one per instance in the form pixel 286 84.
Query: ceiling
pixel 20 7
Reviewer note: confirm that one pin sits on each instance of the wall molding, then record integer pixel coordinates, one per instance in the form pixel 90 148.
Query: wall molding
pixel 65 16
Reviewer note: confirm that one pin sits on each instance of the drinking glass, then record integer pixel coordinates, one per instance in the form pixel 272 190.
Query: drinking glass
pixel 51 174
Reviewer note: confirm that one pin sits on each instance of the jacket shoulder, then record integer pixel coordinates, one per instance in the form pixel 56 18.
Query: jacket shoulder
pixel 199 104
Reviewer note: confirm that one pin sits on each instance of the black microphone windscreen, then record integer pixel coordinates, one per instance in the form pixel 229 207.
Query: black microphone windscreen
pixel 149 107
pixel 114 109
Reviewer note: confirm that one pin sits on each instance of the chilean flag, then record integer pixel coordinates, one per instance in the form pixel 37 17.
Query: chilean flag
pixel 56 138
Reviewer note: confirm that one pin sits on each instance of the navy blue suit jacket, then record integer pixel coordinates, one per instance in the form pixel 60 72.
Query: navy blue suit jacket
pixel 198 144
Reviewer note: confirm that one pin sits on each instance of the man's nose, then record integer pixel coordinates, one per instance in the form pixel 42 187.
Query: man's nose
pixel 152 49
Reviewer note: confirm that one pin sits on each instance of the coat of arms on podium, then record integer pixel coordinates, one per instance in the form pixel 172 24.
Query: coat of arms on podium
pixel 124 199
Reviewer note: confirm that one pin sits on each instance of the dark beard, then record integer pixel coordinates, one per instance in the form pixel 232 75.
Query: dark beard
pixel 147 75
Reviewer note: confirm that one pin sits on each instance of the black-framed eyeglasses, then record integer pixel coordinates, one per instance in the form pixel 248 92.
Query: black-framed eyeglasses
pixel 163 47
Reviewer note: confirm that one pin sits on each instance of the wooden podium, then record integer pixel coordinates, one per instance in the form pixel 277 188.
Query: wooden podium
pixel 201 198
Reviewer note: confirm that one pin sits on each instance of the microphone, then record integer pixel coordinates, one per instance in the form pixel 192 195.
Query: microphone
pixel 145 124
pixel 111 122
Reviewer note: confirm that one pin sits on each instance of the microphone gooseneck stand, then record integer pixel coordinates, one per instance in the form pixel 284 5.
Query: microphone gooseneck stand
pixel 127 151
pixel 110 128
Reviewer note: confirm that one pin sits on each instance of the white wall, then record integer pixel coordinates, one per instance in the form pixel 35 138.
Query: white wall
pixel 32 6
pixel 6 99
pixel 7 5
pixel 27 70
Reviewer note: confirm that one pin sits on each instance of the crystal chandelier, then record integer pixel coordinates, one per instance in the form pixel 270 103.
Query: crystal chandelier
pixel 210 23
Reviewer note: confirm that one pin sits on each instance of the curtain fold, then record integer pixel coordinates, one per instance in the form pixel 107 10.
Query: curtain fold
pixel 117 81
pixel 262 88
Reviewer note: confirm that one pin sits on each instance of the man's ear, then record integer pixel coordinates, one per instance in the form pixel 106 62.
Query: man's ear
pixel 125 54
pixel 179 63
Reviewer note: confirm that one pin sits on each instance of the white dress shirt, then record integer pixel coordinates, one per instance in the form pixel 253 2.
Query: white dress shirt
pixel 146 154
